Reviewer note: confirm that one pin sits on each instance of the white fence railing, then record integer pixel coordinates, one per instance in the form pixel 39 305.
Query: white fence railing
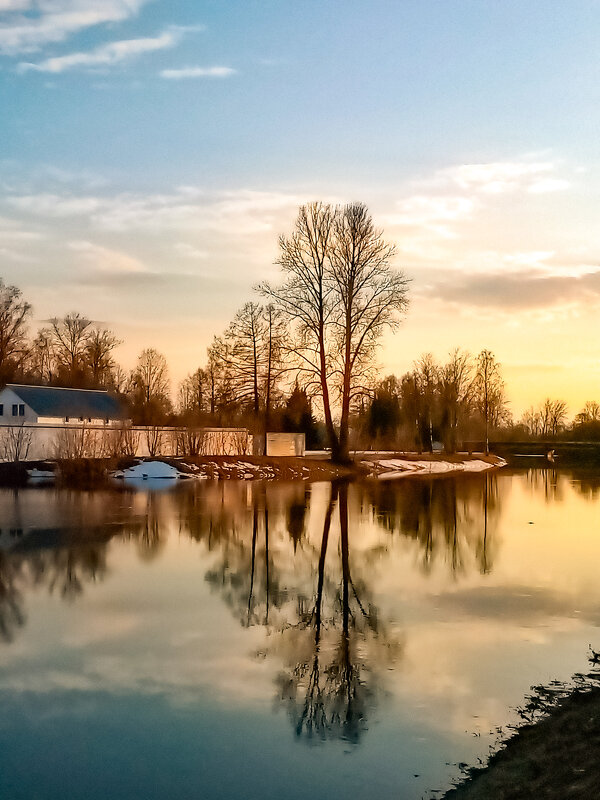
pixel 33 442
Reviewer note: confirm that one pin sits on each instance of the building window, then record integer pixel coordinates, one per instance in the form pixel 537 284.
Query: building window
pixel 15 410
pixel 1 409
pixel 21 410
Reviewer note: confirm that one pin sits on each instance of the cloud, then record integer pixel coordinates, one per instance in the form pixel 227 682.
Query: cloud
pixel 500 177
pixel 47 204
pixel 105 55
pixel 189 251
pixel 244 212
pixel 105 260
pixel 434 213
pixel 442 204
pixel 516 291
pixel 546 185
pixel 197 72
pixel 31 24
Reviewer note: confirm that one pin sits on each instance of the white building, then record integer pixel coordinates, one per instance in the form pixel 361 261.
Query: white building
pixel 51 405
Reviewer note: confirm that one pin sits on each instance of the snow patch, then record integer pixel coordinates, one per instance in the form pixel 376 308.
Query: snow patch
pixel 155 470
pixel 398 467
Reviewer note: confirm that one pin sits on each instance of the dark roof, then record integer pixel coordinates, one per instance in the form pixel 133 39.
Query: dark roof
pixel 51 401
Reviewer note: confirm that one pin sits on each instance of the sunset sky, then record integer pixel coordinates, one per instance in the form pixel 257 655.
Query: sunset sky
pixel 152 152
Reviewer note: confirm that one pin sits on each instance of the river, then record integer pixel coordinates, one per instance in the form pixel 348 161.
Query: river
pixel 268 640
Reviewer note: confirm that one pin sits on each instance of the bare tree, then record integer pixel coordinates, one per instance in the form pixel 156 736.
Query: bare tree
pixel 98 356
pixel 455 389
pixel 553 416
pixel 193 393
pixel 339 295
pixel 275 334
pixel 589 413
pixel 558 417
pixel 306 299
pixel 14 312
pixel 427 378
pixel 488 390
pixel 532 420
pixel 223 399
pixel 150 385
pixel 70 335
pixel 41 360
pixel 247 354
pixel 370 297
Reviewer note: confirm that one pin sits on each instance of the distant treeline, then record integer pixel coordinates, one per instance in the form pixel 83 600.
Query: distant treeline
pixel 250 378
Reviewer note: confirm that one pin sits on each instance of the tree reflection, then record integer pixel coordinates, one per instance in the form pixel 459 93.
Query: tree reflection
pixel 329 690
pixel 450 520
pixel 12 614
pixel 245 574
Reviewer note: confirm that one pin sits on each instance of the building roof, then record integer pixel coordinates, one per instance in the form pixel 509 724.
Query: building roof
pixel 52 401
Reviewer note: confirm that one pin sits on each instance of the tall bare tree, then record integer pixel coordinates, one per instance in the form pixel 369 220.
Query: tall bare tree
pixel 193 393
pixel 488 392
pixel 99 356
pixel 553 416
pixel 589 413
pixel 246 336
pixel 150 386
pixel 275 336
pixel 14 312
pixel 306 299
pixel 70 335
pixel 41 362
pixel 455 389
pixel 339 295
pixel 427 379
pixel 370 297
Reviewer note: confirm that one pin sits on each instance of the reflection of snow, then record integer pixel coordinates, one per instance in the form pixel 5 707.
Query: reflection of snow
pixel 40 474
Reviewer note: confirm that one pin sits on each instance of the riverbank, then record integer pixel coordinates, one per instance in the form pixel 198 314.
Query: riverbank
pixel 381 466
pixel 555 757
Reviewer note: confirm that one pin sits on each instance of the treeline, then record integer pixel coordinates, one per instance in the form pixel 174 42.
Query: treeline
pixel 243 382
pixel 250 380
pixel 550 420
pixel 446 404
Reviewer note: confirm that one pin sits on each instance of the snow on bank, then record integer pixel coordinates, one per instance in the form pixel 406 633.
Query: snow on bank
pixel 389 468
pixel 154 470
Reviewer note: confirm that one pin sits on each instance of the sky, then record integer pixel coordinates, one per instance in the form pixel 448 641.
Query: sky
pixel 152 152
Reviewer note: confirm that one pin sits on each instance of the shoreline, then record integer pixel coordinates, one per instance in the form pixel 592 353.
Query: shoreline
pixel 367 465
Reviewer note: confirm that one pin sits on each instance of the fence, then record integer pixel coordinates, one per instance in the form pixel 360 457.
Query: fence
pixel 33 442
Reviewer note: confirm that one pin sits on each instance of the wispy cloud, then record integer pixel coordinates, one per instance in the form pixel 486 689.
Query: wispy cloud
pixel 107 260
pixel 500 177
pixel 242 212
pixel 189 251
pixel 28 25
pixel 105 55
pixel 523 290
pixel 197 72
pixel 435 213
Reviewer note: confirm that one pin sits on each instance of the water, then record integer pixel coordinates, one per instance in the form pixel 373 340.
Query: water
pixel 251 640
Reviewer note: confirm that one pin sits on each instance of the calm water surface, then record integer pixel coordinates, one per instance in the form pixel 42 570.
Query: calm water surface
pixel 248 640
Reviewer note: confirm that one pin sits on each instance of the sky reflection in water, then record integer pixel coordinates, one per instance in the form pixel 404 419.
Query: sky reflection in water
pixel 269 640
